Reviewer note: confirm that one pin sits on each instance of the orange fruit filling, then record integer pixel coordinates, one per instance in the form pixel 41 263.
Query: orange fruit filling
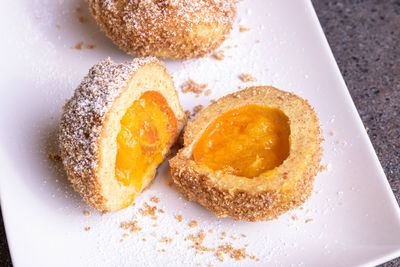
pixel 147 127
pixel 246 141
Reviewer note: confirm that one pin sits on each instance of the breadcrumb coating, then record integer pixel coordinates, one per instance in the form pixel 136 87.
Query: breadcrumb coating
pixel 173 29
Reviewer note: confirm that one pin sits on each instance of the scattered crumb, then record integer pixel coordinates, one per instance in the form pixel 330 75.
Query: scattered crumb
pixel 323 168
pixel 166 240
pixel 144 239
pixel 188 114
pixel 309 220
pixel 223 233
pixel 211 231
pixel 243 29
pixel 125 235
pixel 82 19
pixel 54 157
pixel 239 254
pixel 86 212
pixel 178 217
pixel 90 46
pixel 207 92
pixel 78 9
pixel 79 46
pixel 155 199
pixel 243 235
pixel 295 218
pixel 193 87
pixel 339 141
pixel 131 226
pixel 332 133
pixel 193 224
pixel 245 77
pixel 87 228
pixel 219 55
pixel 121 240
pixel 163 250
pixel 155 225
pixel 103 212
pixel 196 110
pixel 58 26
pixel 149 210
pixel 197 242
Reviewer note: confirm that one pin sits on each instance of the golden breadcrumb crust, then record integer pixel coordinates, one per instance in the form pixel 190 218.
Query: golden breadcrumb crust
pixel 169 29
pixel 259 198
pixel 91 121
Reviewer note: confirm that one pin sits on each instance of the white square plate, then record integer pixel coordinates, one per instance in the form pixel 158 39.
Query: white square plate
pixel 355 216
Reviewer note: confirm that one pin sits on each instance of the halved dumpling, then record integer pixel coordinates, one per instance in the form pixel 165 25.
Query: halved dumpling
pixel 116 130
pixel 251 155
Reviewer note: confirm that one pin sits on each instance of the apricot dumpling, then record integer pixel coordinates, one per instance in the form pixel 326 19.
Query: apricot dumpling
pixel 251 155
pixel 117 128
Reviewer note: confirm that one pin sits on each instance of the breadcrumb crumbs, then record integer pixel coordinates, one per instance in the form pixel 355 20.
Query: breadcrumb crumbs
pixel 87 228
pixel 219 55
pixel 295 218
pixel 86 212
pixel 207 92
pixel 188 116
pixel 54 157
pixel 243 29
pixel 193 87
pixel 245 77
pixel 58 26
pixel 309 220
pixel 178 217
pixel 78 9
pixel 90 46
pixel 131 226
pixel 79 46
pixel 196 110
pixel 323 168
pixel 155 199
pixel 82 19
pixel 166 240
pixel 193 224
pixel 149 210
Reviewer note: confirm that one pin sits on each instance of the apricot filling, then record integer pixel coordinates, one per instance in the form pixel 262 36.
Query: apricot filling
pixel 147 127
pixel 246 141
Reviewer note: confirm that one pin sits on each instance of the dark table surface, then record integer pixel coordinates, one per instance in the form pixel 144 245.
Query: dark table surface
pixel 365 38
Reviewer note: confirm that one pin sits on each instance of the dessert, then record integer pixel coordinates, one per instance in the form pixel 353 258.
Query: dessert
pixel 169 29
pixel 117 128
pixel 251 155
